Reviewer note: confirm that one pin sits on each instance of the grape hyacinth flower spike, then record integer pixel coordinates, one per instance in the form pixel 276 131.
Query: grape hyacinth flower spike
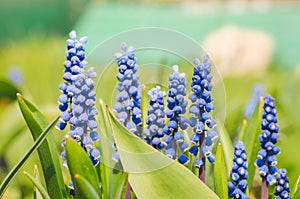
pixel 201 120
pixel 282 189
pixel 155 121
pixel 177 122
pixel 238 184
pixel 128 99
pixel 266 156
pixel 78 98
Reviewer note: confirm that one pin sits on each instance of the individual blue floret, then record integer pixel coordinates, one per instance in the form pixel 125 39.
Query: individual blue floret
pixel 176 121
pixel 128 99
pixel 239 174
pixel 78 99
pixel 155 120
pixel 201 120
pixel 282 189
pixel 266 157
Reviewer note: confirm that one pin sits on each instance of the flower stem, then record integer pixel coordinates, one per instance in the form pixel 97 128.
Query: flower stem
pixel 264 189
pixel 128 191
pixel 202 168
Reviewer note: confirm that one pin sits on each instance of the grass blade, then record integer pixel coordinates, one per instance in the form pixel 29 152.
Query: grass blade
pixel 40 189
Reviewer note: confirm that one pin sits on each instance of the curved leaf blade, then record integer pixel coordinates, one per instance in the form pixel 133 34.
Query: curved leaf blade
pixel 4 185
pixel 160 176
pixel 47 151
pixel 38 185
pixel 250 139
pixel 220 172
pixel 84 188
pixel 113 180
pixel 80 164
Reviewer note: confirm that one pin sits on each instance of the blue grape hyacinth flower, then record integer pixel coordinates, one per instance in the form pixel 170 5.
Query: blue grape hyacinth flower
pixel 267 155
pixel 282 189
pixel 239 174
pixel 155 120
pixel 173 138
pixel 78 99
pixel 200 109
pixel 128 99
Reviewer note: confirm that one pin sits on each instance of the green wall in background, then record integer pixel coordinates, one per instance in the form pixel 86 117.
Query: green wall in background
pixel 281 21
pixel 23 18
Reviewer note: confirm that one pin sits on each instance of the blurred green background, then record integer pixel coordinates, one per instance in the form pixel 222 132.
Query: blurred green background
pixel 32 40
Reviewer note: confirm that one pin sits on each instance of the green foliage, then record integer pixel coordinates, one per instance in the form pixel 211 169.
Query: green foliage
pixel 81 168
pixel 41 191
pixel 249 133
pixel 47 151
pixel 152 174
pixel 4 185
pixel 220 171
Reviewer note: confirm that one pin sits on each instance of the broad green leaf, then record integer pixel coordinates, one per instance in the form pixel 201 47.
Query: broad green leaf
pixel 226 147
pixel 28 154
pixel 80 164
pixel 84 189
pixel 220 171
pixel 113 179
pixel 48 154
pixel 152 174
pixel 37 184
pixel 295 193
pixel 250 139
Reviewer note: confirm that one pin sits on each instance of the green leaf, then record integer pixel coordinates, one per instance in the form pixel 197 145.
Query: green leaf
pixel 296 189
pixel 40 189
pixel 48 154
pixel 220 171
pixel 80 164
pixel 113 179
pixel 226 147
pixel 152 174
pixel 250 139
pixel 28 154
pixel 84 189
pixel 242 132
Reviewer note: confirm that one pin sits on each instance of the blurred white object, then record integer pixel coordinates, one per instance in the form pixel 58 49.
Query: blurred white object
pixel 238 51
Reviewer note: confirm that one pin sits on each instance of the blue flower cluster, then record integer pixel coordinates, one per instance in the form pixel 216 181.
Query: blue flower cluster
pixel 128 100
pixel 78 99
pixel 201 107
pixel 238 185
pixel 266 156
pixel 155 121
pixel 258 91
pixel 282 189
pixel 177 122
